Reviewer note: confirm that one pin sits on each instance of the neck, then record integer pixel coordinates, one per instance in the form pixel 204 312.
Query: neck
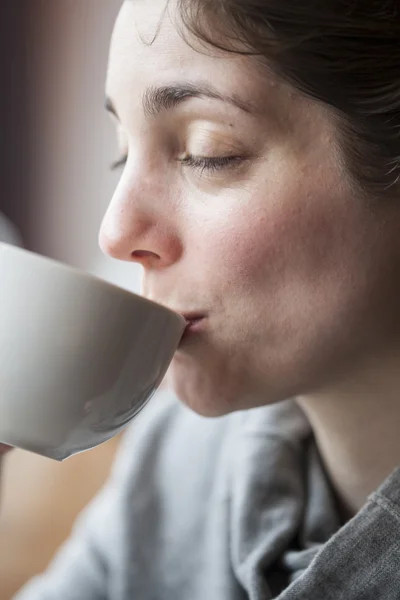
pixel 356 427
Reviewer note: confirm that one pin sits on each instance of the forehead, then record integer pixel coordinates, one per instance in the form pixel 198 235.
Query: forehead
pixel 147 50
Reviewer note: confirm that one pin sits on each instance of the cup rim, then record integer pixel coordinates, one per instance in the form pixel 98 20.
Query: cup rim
pixel 85 275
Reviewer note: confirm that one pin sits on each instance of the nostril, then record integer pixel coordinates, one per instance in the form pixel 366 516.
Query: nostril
pixel 144 254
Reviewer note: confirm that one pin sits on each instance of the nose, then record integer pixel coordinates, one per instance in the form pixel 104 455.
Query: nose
pixel 139 230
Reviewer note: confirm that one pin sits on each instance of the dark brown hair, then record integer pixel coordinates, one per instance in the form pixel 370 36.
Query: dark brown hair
pixel 345 53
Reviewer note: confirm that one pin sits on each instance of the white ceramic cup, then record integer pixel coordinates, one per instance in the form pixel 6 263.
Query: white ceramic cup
pixel 79 357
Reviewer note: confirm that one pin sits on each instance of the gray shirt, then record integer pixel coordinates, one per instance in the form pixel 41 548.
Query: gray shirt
pixel 234 508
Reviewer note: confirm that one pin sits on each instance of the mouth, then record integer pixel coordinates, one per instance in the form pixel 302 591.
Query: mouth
pixel 194 323
pixel 192 319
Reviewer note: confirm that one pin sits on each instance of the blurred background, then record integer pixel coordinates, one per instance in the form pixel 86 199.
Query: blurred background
pixel 56 145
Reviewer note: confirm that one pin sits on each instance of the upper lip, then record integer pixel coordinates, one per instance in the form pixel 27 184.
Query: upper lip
pixel 188 315
pixel 192 316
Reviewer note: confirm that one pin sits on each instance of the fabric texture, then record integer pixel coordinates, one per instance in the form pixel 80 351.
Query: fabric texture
pixel 236 508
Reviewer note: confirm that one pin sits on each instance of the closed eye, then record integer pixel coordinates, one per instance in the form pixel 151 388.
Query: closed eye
pixel 210 163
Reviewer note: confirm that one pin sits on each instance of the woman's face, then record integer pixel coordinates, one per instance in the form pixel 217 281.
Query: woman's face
pixel 234 202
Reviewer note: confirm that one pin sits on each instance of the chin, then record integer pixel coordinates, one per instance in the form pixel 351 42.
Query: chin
pixel 196 400
pixel 197 390
pixel 205 407
pixel 211 392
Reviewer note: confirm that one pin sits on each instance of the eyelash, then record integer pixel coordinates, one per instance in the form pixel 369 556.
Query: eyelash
pixel 211 163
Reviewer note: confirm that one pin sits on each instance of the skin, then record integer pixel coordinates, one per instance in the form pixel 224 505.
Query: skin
pixel 297 277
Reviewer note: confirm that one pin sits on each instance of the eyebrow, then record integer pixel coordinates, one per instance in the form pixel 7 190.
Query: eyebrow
pixel 163 98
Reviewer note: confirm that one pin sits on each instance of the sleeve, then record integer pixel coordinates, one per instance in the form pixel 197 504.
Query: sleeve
pixel 96 563
pixel 80 569
pixel 89 564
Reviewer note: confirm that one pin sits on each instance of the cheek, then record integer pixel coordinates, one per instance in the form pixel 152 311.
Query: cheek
pixel 294 238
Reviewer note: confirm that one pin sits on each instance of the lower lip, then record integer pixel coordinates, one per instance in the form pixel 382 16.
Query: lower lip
pixel 193 327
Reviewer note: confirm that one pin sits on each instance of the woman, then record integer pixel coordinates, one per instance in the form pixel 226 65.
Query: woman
pixel 260 144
